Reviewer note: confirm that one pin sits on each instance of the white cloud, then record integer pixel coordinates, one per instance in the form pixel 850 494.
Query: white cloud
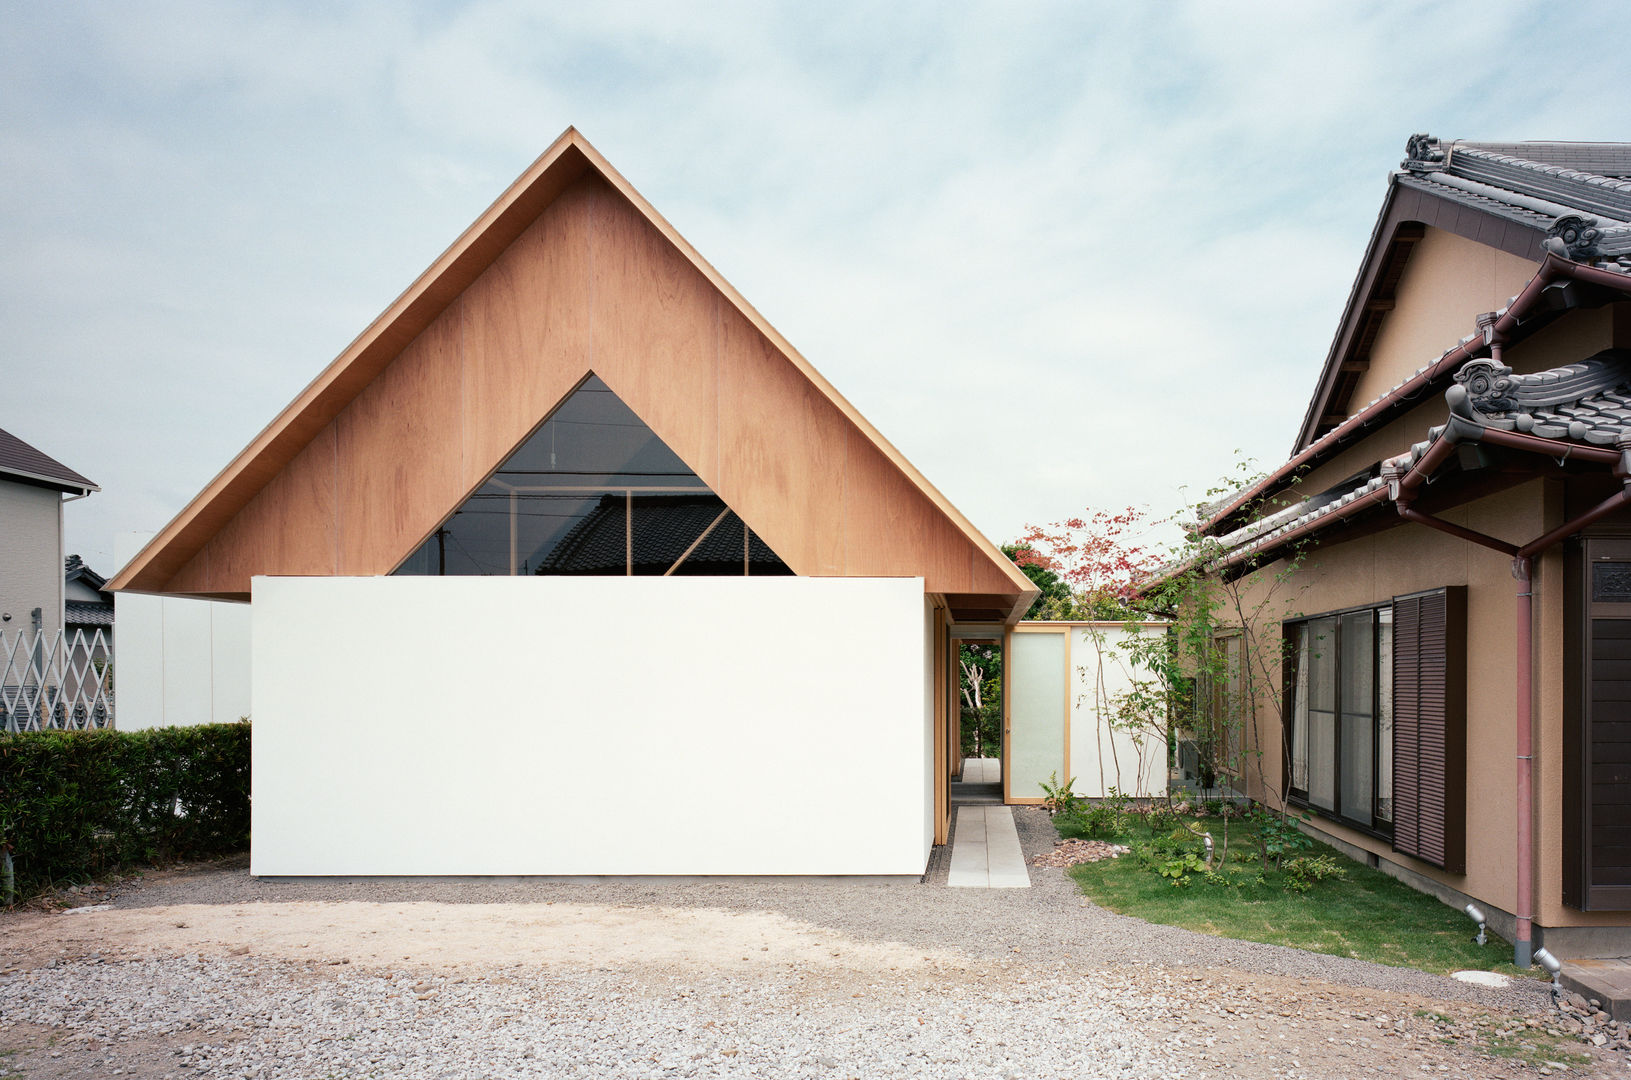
pixel 1061 253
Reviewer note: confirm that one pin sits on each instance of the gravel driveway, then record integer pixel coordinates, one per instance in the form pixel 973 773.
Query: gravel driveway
pixel 212 973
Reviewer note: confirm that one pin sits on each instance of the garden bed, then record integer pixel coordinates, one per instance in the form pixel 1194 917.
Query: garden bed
pixel 1270 883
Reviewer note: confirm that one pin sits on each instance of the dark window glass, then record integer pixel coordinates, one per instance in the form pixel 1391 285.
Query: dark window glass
pixel 593 491
pixel 1322 715
pixel 1358 715
pixel 1611 583
pixel 1340 724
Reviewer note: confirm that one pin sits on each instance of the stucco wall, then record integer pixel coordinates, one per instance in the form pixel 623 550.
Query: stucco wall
pixel 589 726
pixel 1448 281
pixel 30 555
pixel 1106 749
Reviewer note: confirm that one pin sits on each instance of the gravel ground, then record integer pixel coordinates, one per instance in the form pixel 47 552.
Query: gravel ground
pixel 719 979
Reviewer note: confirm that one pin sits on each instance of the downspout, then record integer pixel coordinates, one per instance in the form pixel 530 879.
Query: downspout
pixel 1403 491
pixel 1523 944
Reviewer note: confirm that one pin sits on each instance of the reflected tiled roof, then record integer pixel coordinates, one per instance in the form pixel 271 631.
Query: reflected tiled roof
pixel 663 527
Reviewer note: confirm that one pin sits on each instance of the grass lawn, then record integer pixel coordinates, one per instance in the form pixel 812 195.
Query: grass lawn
pixel 1365 915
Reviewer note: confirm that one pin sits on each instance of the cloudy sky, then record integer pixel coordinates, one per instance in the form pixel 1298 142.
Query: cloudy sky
pixel 1062 254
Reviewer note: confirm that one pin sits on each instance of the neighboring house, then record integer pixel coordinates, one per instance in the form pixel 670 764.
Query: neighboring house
pixel 43 681
pixel 1456 699
pixel 571 565
pixel 88 625
pixel 87 605
pixel 33 488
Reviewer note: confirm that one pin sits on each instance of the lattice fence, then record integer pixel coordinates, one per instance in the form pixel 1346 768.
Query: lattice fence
pixel 55 681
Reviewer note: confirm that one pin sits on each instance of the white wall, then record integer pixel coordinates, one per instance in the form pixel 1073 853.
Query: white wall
pixel 587 726
pixel 177 662
pixel 1104 751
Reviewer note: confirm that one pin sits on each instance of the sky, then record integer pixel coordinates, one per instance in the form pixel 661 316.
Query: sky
pixel 1063 255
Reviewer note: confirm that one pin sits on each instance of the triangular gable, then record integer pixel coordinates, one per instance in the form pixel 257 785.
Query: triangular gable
pixel 593 491
pixel 569 272
pixel 1408 210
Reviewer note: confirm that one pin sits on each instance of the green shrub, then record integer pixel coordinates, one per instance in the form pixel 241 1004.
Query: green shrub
pixel 1083 820
pixel 77 804
pixel 1305 872
pixel 1057 796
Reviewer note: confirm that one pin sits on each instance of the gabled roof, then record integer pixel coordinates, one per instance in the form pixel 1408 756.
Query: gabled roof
pixel 571 158
pixel 22 462
pixel 1523 198
pixel 1506 195
pixel 74 569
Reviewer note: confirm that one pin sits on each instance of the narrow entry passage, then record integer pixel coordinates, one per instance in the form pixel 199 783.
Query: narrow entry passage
pixel 985 851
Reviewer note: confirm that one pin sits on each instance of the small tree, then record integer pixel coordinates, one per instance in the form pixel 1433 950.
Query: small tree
pixel 1096 555
pixel 1217 670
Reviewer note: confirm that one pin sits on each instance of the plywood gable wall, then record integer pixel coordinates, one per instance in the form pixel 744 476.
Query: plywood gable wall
pixel 591 285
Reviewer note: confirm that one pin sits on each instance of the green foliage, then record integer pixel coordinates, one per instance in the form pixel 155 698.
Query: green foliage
pixel 1057 796
pixel 1366 915
pixel 1085 820
pixel 76 804
pixel 1279 837
pixel 979 665
pixel 1161 817
pixel 1177 870
pixel 1306 871
pixel 1056 601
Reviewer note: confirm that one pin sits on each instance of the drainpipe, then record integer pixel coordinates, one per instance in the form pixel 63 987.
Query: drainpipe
pixel 1523 568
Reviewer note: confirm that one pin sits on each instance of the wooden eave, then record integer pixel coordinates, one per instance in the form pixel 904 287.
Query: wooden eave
pixel 1406 213
pixel 566 160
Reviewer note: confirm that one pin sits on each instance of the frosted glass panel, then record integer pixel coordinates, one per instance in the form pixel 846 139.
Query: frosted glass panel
pixel 1036 712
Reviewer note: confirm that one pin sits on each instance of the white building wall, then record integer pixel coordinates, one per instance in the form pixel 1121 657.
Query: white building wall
pixel 1105 750
pixel 589 726
pixel 30 556
pixel 178 661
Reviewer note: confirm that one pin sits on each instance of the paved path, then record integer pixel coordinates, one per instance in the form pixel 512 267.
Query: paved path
pixel 985 852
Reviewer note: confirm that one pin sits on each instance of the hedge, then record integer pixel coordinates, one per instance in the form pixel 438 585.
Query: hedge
pixel 78 804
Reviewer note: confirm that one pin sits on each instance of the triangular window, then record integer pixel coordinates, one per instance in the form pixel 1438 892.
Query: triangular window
pixel 593 491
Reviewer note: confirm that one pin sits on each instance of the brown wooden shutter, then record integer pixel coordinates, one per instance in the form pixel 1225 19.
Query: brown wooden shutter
pixel 1430 727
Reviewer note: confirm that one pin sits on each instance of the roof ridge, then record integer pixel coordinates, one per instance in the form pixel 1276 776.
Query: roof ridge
pixel 1562 172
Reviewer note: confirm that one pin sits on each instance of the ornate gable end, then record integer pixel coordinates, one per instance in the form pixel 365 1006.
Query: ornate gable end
pixel 375 456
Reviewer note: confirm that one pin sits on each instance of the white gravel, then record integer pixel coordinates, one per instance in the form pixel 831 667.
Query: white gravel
pixel 251 1018
pixel 794 979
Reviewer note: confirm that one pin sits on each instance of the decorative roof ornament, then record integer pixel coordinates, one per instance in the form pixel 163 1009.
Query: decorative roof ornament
pixel 1487 387
pixel 1587 401
pixel 1425 153
pixel 1578 237
pixel 1574 236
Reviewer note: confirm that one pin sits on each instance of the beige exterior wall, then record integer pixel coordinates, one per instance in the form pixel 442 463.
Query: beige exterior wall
pixel 1409 558
pixel 1447 283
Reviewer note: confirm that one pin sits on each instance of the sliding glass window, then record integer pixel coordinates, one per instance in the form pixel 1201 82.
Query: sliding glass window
pixel 1339 726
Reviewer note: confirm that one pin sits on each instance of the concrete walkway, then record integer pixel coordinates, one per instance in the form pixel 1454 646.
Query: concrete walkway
pixel 985 851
